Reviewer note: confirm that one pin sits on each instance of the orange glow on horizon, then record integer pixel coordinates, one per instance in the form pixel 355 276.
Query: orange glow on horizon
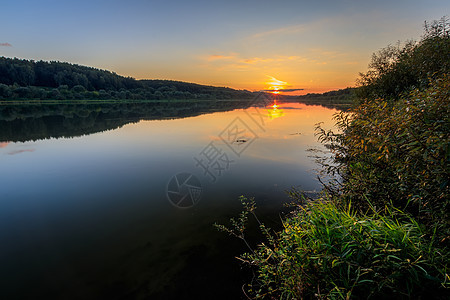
pixel 228 71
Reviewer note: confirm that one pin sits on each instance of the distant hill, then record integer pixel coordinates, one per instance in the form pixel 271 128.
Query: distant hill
pixel 28 79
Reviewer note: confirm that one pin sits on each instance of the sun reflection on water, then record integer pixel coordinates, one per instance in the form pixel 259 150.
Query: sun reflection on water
pixel 275 112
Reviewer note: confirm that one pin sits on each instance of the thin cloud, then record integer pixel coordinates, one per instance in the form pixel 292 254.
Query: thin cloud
pixel 235 61
pixel 323 53
pixel 284 90
pixel 236 58
pixel 220 57
pixel 256 60
pixel 279 86
pixel 3 144
pixel 21 151
pixel 276 82
pixel 5 45
pixel 280 31
pixel 237 67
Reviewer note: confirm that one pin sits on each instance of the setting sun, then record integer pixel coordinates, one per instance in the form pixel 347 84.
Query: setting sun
pixel 275 85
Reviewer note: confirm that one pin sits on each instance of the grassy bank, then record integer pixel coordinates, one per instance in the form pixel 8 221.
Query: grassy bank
pixel 331 251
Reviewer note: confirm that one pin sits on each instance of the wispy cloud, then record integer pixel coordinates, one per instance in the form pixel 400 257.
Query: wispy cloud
pixel 275 82
pixel 279 86
pixel 3 144
pixel 256 60
pixel 5 45
pixel 280 31
pixel 238 62
pixel 214 57
pixel 21 151
pixel 327 54
pixel 284 90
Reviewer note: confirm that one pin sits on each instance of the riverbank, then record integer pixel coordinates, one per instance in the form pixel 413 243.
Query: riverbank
pixel 380 229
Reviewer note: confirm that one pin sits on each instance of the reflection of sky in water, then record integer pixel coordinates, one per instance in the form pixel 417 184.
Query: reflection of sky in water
pixel 66 204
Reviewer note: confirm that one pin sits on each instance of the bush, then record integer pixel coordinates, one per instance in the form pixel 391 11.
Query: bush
pixel 396 70
pixel 328 252
pixel 397 153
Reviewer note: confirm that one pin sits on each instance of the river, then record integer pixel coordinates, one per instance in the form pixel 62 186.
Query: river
pixel 96 203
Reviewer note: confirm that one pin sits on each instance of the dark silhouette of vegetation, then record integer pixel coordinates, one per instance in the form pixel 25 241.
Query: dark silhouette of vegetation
pixel 26 79
pixel 347 95
pixel 395 150
pixel 327 251
pixel 397 153
pixel 340 99
pixel 382 229
pixel 397 70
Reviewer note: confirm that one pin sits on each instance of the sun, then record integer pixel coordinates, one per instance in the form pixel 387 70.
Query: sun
pixel 275 85
pixel 276 91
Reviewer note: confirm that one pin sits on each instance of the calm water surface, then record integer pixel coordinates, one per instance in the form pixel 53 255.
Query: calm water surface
pixel 88 217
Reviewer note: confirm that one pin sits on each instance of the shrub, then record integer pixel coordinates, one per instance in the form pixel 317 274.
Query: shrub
pixel 328 252
pixel 396 70
pixel 397 153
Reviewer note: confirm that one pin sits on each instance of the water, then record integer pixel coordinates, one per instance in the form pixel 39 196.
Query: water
pixel 84 210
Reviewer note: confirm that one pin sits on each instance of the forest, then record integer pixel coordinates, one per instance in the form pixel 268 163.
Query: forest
pixel 22 79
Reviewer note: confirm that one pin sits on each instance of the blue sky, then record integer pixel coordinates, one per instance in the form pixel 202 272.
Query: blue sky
pixel 316 45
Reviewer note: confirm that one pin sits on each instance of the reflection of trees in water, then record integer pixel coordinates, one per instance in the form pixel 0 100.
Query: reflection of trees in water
pixel 328 103
pixel 20 123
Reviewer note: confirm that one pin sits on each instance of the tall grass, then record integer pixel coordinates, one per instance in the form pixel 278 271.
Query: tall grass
pixel 328 252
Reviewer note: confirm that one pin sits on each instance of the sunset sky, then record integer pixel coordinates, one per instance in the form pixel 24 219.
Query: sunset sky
pixel 312 45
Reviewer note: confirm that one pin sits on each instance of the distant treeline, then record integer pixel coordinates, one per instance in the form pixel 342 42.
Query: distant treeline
pixel 347 94
pixel 28 79
pixel 341 99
